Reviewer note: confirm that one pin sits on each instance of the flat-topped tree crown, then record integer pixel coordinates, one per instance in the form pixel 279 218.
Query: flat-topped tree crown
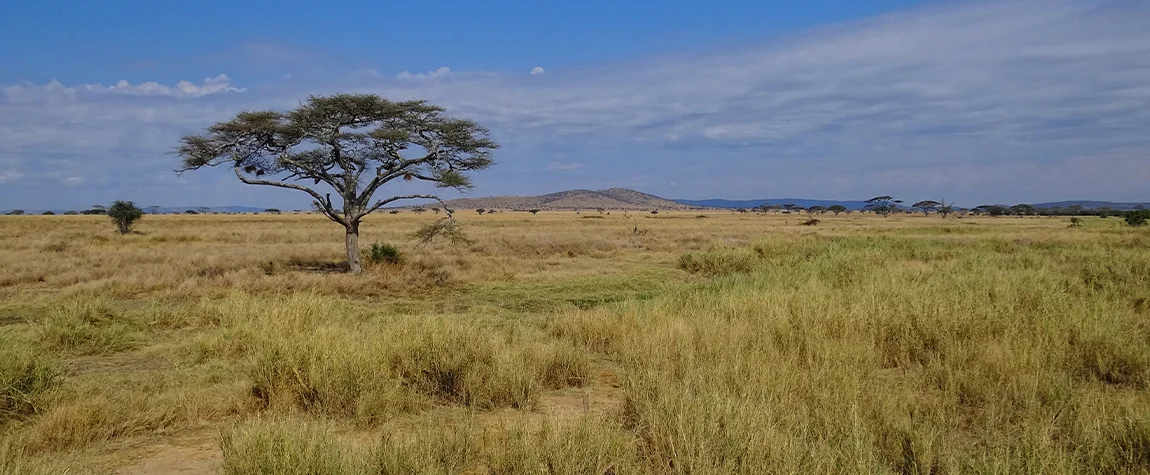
pixel 351 143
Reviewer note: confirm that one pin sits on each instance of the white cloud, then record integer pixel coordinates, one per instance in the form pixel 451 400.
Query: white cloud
pixel 13 176
pixel 564 166
pixel 28 92
pixel 438 73
pixel 537 70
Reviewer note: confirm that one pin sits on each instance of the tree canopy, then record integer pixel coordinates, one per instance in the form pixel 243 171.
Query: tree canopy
pixel 353 144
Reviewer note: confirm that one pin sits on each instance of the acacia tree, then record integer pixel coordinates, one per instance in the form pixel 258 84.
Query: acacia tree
pixel 926 206
pixel 882 205
pixel 352 143
pixel 836 209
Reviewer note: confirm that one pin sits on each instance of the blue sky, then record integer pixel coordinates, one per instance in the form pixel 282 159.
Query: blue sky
pixel 976 101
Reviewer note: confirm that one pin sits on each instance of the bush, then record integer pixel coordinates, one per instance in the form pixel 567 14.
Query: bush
pixel 48 213
pixel 717 262
pixel 811 222
pixel 1137 217
pixel 124 214
pixel 384 254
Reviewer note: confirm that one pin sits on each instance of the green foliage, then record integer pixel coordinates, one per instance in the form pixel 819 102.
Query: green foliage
pixel 94 211
pixel 1137 217
pixel 1075 222
pixel 272 211
pixel 836 209
pixel 384 254
pixel 49 213
pixel 124 214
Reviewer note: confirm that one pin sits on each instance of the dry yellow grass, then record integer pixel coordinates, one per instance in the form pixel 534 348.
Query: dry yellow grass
pixel 570 343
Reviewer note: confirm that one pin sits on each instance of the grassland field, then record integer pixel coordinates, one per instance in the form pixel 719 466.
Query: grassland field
pixel 684 343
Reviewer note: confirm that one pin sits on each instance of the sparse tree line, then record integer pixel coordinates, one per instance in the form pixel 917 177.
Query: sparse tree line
pixel 888 205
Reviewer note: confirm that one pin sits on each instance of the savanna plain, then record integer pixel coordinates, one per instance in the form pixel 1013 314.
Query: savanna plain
pixel 686 343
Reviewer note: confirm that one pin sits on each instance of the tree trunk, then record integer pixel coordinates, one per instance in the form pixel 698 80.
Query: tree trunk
pixel 354 264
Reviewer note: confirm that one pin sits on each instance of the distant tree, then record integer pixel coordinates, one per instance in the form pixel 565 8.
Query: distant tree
pixel 418 210
pixel 654 211
pixel 836 209
pixel 153 208
pixel 944 208
pixel 71 213
pixel 436 210
pixel 788 207
pixel 817 210
pixel 354 144
pixel 926 206
pixel 481 211
pixel 1023 210
pixel 993 210
pixel 533 211
pixel 95 211
pixel 190 211
pixel 1075 222
pixel 394 211
pixel 48 213
pixel 272 211
pixel 124 214
pixel 741 210
pixel 1137 217
pixel 15 212
pixel 882 205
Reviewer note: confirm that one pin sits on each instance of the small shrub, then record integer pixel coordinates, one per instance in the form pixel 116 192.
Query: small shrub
pixel 384 254
pixel 811 222
pixel 1075 222
pixel 49 213
pixel 1137 217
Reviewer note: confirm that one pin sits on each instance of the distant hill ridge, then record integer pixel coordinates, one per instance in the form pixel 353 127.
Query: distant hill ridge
pixel 614 198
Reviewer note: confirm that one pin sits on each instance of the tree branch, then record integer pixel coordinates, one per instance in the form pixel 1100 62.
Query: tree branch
pixel 379 204
pixel 324 203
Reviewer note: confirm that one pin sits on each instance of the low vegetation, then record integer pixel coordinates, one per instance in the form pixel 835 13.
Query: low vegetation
pixel 741 343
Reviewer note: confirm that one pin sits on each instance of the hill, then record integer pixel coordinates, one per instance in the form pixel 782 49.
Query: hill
pixel 1092 205
pixel 736 204
pixel 614 198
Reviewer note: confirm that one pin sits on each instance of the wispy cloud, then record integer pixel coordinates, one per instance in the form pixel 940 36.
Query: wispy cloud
pixel 438 73
pixel 564 166
pixel 978 101
pixel 28 92
pixel 537 71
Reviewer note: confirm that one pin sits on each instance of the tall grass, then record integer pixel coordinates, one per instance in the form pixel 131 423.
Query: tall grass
pixel 555 344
